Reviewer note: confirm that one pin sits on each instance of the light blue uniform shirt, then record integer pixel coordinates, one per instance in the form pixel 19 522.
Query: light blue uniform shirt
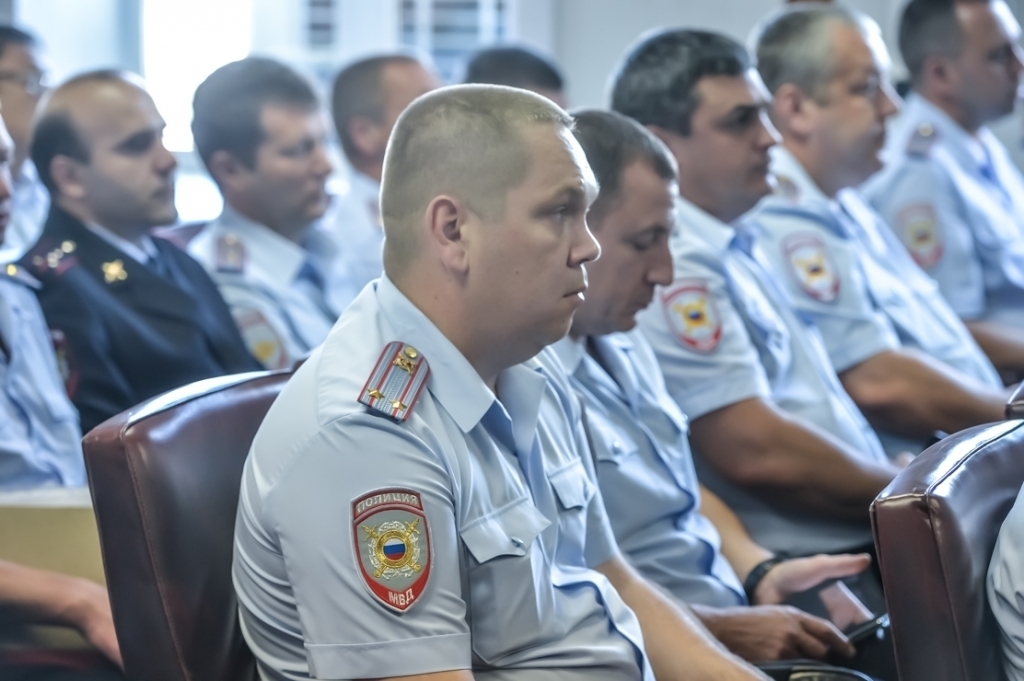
pixel 957 202
pixel 645 469
pixel 1006 589
pixel 725 332
pixel 40 441
pixel 30 203
pixel 842 265
pixel 277 295
pixel 515 522
pixel 355 225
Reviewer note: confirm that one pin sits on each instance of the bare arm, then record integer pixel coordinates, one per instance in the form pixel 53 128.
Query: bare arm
pixel 756 445
pixel 907 392
pixel 742 552
pixel 44 597
pixel 1003 345
pixel 677 645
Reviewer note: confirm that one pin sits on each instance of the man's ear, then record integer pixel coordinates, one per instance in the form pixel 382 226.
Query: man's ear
pixel 792 111
pixel 937 74
pixel 68 176
pixel 227 171
pixel 367 136
pixel 446 220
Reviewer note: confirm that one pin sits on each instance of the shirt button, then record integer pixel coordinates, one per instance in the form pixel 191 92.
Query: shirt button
pixel 617 447
pixel 517 542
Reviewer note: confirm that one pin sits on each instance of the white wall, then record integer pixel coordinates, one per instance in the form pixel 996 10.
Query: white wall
pixel 591 35
pixel 78 35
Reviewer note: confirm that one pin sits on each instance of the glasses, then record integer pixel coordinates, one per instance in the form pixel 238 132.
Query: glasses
pixel 34 82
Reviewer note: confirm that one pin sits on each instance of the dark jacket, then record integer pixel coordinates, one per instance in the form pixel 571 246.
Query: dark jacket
pixel 124 333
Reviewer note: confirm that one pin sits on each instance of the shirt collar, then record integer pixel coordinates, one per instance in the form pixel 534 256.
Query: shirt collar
pixel 276 258
pixel 364 184
pixel 710 229
pixel 453 381
pixel 140 252
pixel 786 167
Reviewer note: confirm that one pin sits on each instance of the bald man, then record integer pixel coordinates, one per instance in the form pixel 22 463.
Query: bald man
pixel 132 316
pixel 420 500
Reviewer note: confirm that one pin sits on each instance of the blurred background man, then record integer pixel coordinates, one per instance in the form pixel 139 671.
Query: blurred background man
pixel 517 67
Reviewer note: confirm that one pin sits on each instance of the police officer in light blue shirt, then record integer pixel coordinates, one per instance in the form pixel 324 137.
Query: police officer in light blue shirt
pixel 420 498
pixel 826 246
pixel 1005 589
pixel 366 99
pixel 661 519
pixel 776 435
pixel 949 189
pixel 259 128
pixel 40 440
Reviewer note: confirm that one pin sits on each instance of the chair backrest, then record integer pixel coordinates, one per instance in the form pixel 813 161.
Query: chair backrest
pixel 935 529
pixel 165 477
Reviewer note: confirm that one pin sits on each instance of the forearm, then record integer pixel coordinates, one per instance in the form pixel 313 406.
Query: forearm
pixel 1003 345
pixel 742 552
pixel 677 644
pixel 905 392
pixel 40 596
pixel 789 462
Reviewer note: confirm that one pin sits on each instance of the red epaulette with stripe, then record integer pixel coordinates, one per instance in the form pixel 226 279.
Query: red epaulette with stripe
pixel 396 381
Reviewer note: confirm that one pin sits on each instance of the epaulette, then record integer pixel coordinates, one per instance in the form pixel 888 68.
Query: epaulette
pixel 20 275
pixel 58 259
pixel 922 140
pixel 231 254
pixel 396 381
pixel 786 188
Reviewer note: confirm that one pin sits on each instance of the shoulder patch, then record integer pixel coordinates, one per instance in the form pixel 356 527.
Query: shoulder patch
pixel 811 265
pixel 919 230
pixel 58 259
pixel 921 141
pixel 231 255
pixel 262 339
pixel 392 546
pixel 396 381
pixel 692 314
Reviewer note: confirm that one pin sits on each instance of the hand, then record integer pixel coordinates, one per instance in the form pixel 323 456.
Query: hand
pixel 91 615
pixel 799 574
pixel 775 632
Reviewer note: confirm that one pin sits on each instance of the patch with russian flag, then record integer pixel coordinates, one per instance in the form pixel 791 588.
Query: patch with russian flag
pixel 396 381
pixel 392 543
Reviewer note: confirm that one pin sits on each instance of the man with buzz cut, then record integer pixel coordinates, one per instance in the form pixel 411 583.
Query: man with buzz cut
pixel 949 190
pixel 840 264
pixel 675 534
pixel 420 499
pixel 777 436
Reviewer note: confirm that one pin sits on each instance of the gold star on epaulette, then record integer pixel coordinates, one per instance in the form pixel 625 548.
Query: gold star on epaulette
pixel 114 271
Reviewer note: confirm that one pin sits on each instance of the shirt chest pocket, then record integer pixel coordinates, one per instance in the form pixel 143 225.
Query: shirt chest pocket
pixel 510 601
pixel 573 486
pixel 609 444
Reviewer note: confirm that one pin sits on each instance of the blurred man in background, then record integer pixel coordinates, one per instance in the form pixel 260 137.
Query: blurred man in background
pixel 517 67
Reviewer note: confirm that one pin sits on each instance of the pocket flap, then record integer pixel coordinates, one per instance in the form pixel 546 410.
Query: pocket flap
pixel 508 532
pixel 573 487
pixel 609 444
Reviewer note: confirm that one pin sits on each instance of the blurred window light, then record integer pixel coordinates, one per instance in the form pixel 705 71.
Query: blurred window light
pixel 451 30
pixel 184 41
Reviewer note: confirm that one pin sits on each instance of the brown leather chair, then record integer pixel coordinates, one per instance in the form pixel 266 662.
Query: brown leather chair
pixel 165 477
pixel 935 528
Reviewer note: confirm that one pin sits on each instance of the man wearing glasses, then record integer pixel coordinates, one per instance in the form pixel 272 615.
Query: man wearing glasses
pixel 21 86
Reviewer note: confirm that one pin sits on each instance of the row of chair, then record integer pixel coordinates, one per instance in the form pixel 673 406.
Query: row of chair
pixel 165 478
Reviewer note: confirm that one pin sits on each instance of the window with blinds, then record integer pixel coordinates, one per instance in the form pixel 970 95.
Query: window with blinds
pixel 451 30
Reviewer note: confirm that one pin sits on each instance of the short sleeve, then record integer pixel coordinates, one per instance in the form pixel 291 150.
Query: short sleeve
pixel 706 354
pixel 361 616
pixel 1006 589
pixel 822 274
pixel 922 206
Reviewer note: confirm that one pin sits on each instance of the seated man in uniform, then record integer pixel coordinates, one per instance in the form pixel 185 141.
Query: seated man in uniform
pixel 1005 587
pixel 40 446
pixel 260 131
pixel 686 541
pixel 367 97
pixel 420 500
pixel 517 67
pixel 949 190
pixel 777 437
pixel 840 264
pixel 132 316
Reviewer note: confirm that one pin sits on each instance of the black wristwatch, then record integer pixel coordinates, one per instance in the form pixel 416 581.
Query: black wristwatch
pixel 756 575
